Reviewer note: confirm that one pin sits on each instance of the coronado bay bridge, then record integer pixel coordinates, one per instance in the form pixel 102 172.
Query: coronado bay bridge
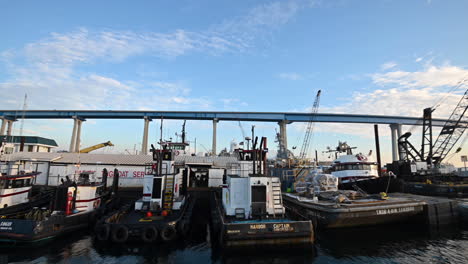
pixel 282 118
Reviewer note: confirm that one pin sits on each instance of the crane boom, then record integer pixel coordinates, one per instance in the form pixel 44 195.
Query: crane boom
pixel 310 127
pixel 98 146
pixel 452 130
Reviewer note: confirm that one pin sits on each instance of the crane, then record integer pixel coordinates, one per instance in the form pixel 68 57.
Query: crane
pixel 310 127
pixel 451 132
pixel 25 106
pixel 95 147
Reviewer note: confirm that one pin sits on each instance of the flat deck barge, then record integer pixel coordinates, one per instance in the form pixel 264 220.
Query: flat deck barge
pixel 360 212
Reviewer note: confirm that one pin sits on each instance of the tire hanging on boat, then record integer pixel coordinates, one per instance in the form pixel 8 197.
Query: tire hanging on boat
pixel 119 234
pixel 102 232
pixel 149 234
pixel 183 227
pixel 168 233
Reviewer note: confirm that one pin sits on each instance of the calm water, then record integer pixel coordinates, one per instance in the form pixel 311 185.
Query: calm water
pixel 370 245
pixel 361 246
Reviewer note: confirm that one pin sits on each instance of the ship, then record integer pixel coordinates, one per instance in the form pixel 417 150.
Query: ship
pixel 249 208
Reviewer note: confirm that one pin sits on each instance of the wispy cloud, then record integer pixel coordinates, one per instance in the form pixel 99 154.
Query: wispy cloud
pixel 388 65
pixel 430 77
pixel 293 76
pixel 47 69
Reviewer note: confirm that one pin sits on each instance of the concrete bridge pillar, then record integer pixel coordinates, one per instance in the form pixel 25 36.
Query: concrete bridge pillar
pixel 215 124
pixel 76 135
pixel 9 127
pixel 396 134
pixel 2 129
pixel 283 133
pixel 144 144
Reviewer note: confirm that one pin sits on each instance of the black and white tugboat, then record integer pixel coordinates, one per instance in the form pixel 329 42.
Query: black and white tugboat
pixel 317 198
pixel 249 209
pixel 164 210
pixel 74 206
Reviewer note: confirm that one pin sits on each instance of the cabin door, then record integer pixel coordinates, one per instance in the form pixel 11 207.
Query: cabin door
pixel 258 200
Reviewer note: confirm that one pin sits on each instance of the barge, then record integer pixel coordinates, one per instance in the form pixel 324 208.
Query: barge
pixel 327 207
pixel 249 209
pixel 164 210
pixel 75 205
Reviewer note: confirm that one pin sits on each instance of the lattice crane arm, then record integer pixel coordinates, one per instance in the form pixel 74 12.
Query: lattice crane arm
pixel 310 127
pixel 452 130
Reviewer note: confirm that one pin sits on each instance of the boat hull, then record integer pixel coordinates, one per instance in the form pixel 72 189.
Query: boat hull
pixel 331 216
pixel 26 230
pixel 258 232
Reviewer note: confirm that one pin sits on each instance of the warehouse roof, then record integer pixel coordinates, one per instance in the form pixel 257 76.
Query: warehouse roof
pixel 29 140
pixel 112 159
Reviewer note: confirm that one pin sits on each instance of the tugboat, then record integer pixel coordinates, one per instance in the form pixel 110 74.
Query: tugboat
pixel 75 205
pixel 249 209
pixel 165 208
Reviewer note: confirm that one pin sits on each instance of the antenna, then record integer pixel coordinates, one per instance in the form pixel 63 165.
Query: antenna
pixel 25 105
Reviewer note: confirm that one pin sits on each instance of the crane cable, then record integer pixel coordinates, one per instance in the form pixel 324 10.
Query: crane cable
pixel 439 102
pixel 458 85
pixel 458 149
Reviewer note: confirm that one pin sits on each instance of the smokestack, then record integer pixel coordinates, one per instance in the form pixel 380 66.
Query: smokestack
pixel 377 149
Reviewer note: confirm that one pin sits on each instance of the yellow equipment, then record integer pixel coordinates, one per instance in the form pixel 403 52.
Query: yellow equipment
pixel 98 146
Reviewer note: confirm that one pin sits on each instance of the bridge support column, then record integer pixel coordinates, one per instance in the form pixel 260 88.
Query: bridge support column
pixel 396 133
pixel 2 129
pixel 213 146
pixel 9 127
pixel 283 134
pixel 76 135
pixel 144 144
pixel 73 137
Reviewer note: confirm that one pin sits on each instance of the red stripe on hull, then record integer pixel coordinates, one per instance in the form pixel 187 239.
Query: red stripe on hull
pixel 10 194
pixel 86 201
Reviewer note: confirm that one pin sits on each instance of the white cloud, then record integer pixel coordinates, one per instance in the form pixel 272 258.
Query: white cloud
pixel 233 104
pixel 291 76
pixel 47 69
pixel 430 77
pixel 388 65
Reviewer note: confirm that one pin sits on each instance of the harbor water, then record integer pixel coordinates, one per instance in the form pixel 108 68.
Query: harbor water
pixel 391 244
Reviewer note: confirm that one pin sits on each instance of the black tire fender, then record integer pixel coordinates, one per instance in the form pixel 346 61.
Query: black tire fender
pixel 102 232
pixel 149 234
pixel 168 233
pixel 183 227
pixel 119 234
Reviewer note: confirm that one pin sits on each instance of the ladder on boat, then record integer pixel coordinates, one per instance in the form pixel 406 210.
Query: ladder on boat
pixel 168 192
pixel 278 208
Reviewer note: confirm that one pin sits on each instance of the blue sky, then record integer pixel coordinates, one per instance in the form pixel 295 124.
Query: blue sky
pixel 371 57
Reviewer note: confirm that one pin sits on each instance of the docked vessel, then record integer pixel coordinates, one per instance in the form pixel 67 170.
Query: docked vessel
pixel 249 209
pixel 75 205
pixel 318 199
pixel 352 167
pixel 163 211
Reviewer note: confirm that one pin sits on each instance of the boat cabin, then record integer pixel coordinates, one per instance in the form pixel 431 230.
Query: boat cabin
pixel 15 189
pixel 249 193
pixel 164 185
pixel 354 167
pixel 81 195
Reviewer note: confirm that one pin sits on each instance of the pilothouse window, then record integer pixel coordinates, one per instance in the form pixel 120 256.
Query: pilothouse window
pixel 17 183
